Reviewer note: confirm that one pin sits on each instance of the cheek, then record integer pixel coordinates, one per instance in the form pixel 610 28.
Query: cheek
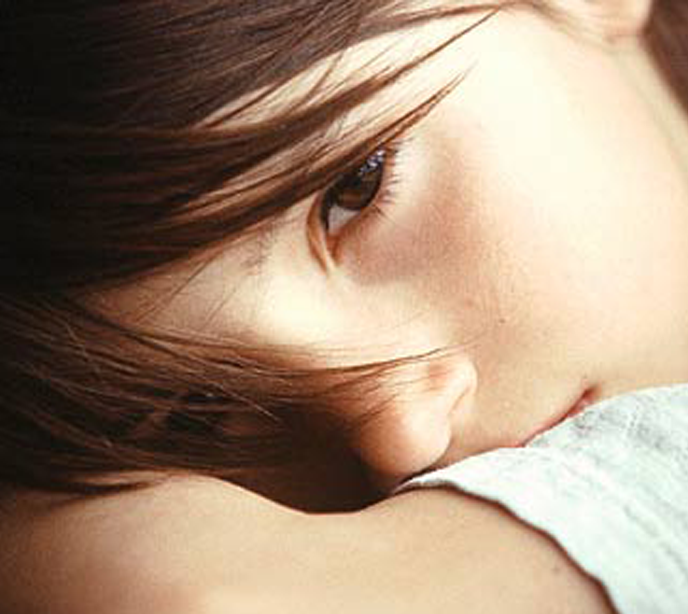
pixel 429 247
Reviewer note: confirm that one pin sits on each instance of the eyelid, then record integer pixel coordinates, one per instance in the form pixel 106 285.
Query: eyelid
pixel 327 247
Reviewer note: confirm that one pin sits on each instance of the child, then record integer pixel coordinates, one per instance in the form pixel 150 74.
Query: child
pixel 383 242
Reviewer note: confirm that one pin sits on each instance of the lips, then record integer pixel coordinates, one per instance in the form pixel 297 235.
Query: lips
pixel 584 400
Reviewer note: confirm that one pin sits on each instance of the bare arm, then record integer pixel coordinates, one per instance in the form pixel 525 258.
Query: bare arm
pixel 203 547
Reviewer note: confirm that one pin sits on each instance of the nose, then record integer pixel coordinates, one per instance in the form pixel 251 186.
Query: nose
pixel 414 428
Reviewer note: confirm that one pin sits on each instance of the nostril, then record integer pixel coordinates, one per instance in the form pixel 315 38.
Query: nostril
pixel 386 485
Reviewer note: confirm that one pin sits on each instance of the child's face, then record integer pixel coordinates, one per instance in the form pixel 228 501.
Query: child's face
pixel 538 224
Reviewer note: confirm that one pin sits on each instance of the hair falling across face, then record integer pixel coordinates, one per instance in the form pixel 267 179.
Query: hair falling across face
pixel 319 264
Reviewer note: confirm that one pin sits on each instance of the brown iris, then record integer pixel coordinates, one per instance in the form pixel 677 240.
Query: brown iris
pixel 356 190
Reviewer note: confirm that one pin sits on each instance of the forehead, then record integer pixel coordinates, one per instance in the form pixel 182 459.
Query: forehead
pixel 359 61
pixel 238 264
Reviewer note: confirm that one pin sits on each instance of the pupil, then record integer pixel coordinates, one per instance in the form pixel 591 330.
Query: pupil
pixel 358 189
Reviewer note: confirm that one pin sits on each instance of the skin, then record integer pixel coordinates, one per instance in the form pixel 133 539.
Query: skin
pixel 550 276
pixel 536 232
pixel 199 546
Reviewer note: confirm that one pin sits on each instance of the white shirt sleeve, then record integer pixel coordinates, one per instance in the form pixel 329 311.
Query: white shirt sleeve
pixel 610 486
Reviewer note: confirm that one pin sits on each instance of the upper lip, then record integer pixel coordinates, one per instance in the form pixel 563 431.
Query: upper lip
pixel 583 400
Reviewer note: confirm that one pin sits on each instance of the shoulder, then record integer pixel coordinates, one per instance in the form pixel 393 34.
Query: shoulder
pixel 194 546
pixel 181 547
pixel 443 551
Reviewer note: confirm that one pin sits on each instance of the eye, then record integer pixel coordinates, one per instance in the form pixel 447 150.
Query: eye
pixel 353 193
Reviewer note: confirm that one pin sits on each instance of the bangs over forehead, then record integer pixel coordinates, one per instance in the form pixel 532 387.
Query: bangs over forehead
pixel 164 128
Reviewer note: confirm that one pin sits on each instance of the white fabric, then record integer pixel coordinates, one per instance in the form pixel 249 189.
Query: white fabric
pixel 610 486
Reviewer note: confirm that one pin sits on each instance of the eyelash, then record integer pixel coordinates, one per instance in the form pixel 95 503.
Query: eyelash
pixel 385 195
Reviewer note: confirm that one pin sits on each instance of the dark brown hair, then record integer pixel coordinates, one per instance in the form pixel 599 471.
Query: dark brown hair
pixel 111 169
pixel 667 39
